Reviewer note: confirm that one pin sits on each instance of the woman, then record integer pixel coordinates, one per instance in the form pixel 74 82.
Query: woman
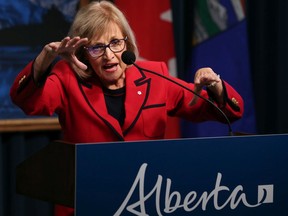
pixel 99 98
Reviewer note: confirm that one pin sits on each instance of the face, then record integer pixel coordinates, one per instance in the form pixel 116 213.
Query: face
pixel 109 67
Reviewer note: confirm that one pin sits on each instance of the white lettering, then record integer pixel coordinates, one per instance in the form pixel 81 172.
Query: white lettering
pixel 173 200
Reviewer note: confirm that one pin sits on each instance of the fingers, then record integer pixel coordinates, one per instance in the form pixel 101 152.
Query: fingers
pixel 51 48
pixel 206 77
pixel 212 84
pixel 67 48
pixel 74 43
pixel 65 41
pixel 67 45
pixel 81 42
pixel 79 64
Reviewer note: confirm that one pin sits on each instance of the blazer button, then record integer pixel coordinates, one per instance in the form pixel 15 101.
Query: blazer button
pixel 22 79
pixel 234 101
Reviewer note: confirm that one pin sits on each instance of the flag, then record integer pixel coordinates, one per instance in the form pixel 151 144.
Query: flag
pixel 152 24
pixel 220 42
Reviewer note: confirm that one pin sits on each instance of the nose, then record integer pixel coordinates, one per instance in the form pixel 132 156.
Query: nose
pixel 108 53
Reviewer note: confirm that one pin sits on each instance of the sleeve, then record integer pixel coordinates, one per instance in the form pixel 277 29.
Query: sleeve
pixel 179 96
pixel 232 101
pixel 41 98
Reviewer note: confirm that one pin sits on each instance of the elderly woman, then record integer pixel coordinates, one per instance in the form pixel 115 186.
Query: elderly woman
pixel 98 98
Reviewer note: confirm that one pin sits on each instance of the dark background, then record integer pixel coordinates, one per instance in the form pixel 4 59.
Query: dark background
pixel 268 41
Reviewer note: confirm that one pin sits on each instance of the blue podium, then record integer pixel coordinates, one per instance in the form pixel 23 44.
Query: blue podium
pixel 241 175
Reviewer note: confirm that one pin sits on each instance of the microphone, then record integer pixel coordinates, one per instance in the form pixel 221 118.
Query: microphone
pixel 129 58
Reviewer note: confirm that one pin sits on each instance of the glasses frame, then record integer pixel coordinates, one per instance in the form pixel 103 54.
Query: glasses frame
pixel 105 46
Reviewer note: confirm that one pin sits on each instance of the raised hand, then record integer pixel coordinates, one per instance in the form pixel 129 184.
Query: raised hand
pixel 67 48
pixel 207 77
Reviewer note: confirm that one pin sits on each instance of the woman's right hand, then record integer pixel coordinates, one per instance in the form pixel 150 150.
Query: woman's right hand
pixel 66 49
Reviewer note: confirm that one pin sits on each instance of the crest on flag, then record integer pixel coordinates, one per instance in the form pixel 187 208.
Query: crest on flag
pixel 213 17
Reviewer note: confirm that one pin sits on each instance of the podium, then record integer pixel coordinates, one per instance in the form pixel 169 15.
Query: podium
pixel 242 175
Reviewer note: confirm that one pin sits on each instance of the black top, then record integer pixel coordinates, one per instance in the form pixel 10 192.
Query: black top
pixel 115 103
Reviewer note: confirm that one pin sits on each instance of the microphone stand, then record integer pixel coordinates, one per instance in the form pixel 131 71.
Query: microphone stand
pixel 230 131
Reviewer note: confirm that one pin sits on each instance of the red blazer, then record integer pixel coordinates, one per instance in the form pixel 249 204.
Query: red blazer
pixel 82 112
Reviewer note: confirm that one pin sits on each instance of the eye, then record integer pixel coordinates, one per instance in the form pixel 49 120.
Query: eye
pixel 97 47
pixel 115 42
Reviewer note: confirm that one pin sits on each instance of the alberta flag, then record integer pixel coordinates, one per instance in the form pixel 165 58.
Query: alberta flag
pixel 220 42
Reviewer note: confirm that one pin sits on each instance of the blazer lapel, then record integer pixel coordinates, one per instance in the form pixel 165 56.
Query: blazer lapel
pixel 137 92
pixel 94 97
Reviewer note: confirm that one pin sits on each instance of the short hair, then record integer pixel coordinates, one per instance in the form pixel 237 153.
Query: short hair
pixel 92 20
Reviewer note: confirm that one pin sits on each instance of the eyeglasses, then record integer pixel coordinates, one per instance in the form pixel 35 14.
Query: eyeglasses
pixel 115 45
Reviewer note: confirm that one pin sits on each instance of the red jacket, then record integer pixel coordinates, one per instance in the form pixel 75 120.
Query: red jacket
pixel 82 112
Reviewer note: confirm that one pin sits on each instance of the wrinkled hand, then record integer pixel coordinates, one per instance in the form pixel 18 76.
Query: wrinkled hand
pixel 206 77
pixel 66 49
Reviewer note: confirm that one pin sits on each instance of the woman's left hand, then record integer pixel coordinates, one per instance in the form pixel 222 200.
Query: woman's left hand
pixel 207 77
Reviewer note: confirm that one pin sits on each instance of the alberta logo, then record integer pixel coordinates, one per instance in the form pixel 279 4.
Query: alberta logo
pixel 265 193
pixel 169 202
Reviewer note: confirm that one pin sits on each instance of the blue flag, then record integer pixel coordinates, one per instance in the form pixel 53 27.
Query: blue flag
pixel 220 42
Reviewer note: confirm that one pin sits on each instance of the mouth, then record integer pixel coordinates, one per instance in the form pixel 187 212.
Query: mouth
pixel 110 67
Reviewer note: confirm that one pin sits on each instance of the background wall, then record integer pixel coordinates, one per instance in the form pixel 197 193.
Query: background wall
pixel 267 36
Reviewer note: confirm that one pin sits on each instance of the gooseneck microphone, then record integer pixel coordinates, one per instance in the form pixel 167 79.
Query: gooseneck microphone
pixel 129 58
